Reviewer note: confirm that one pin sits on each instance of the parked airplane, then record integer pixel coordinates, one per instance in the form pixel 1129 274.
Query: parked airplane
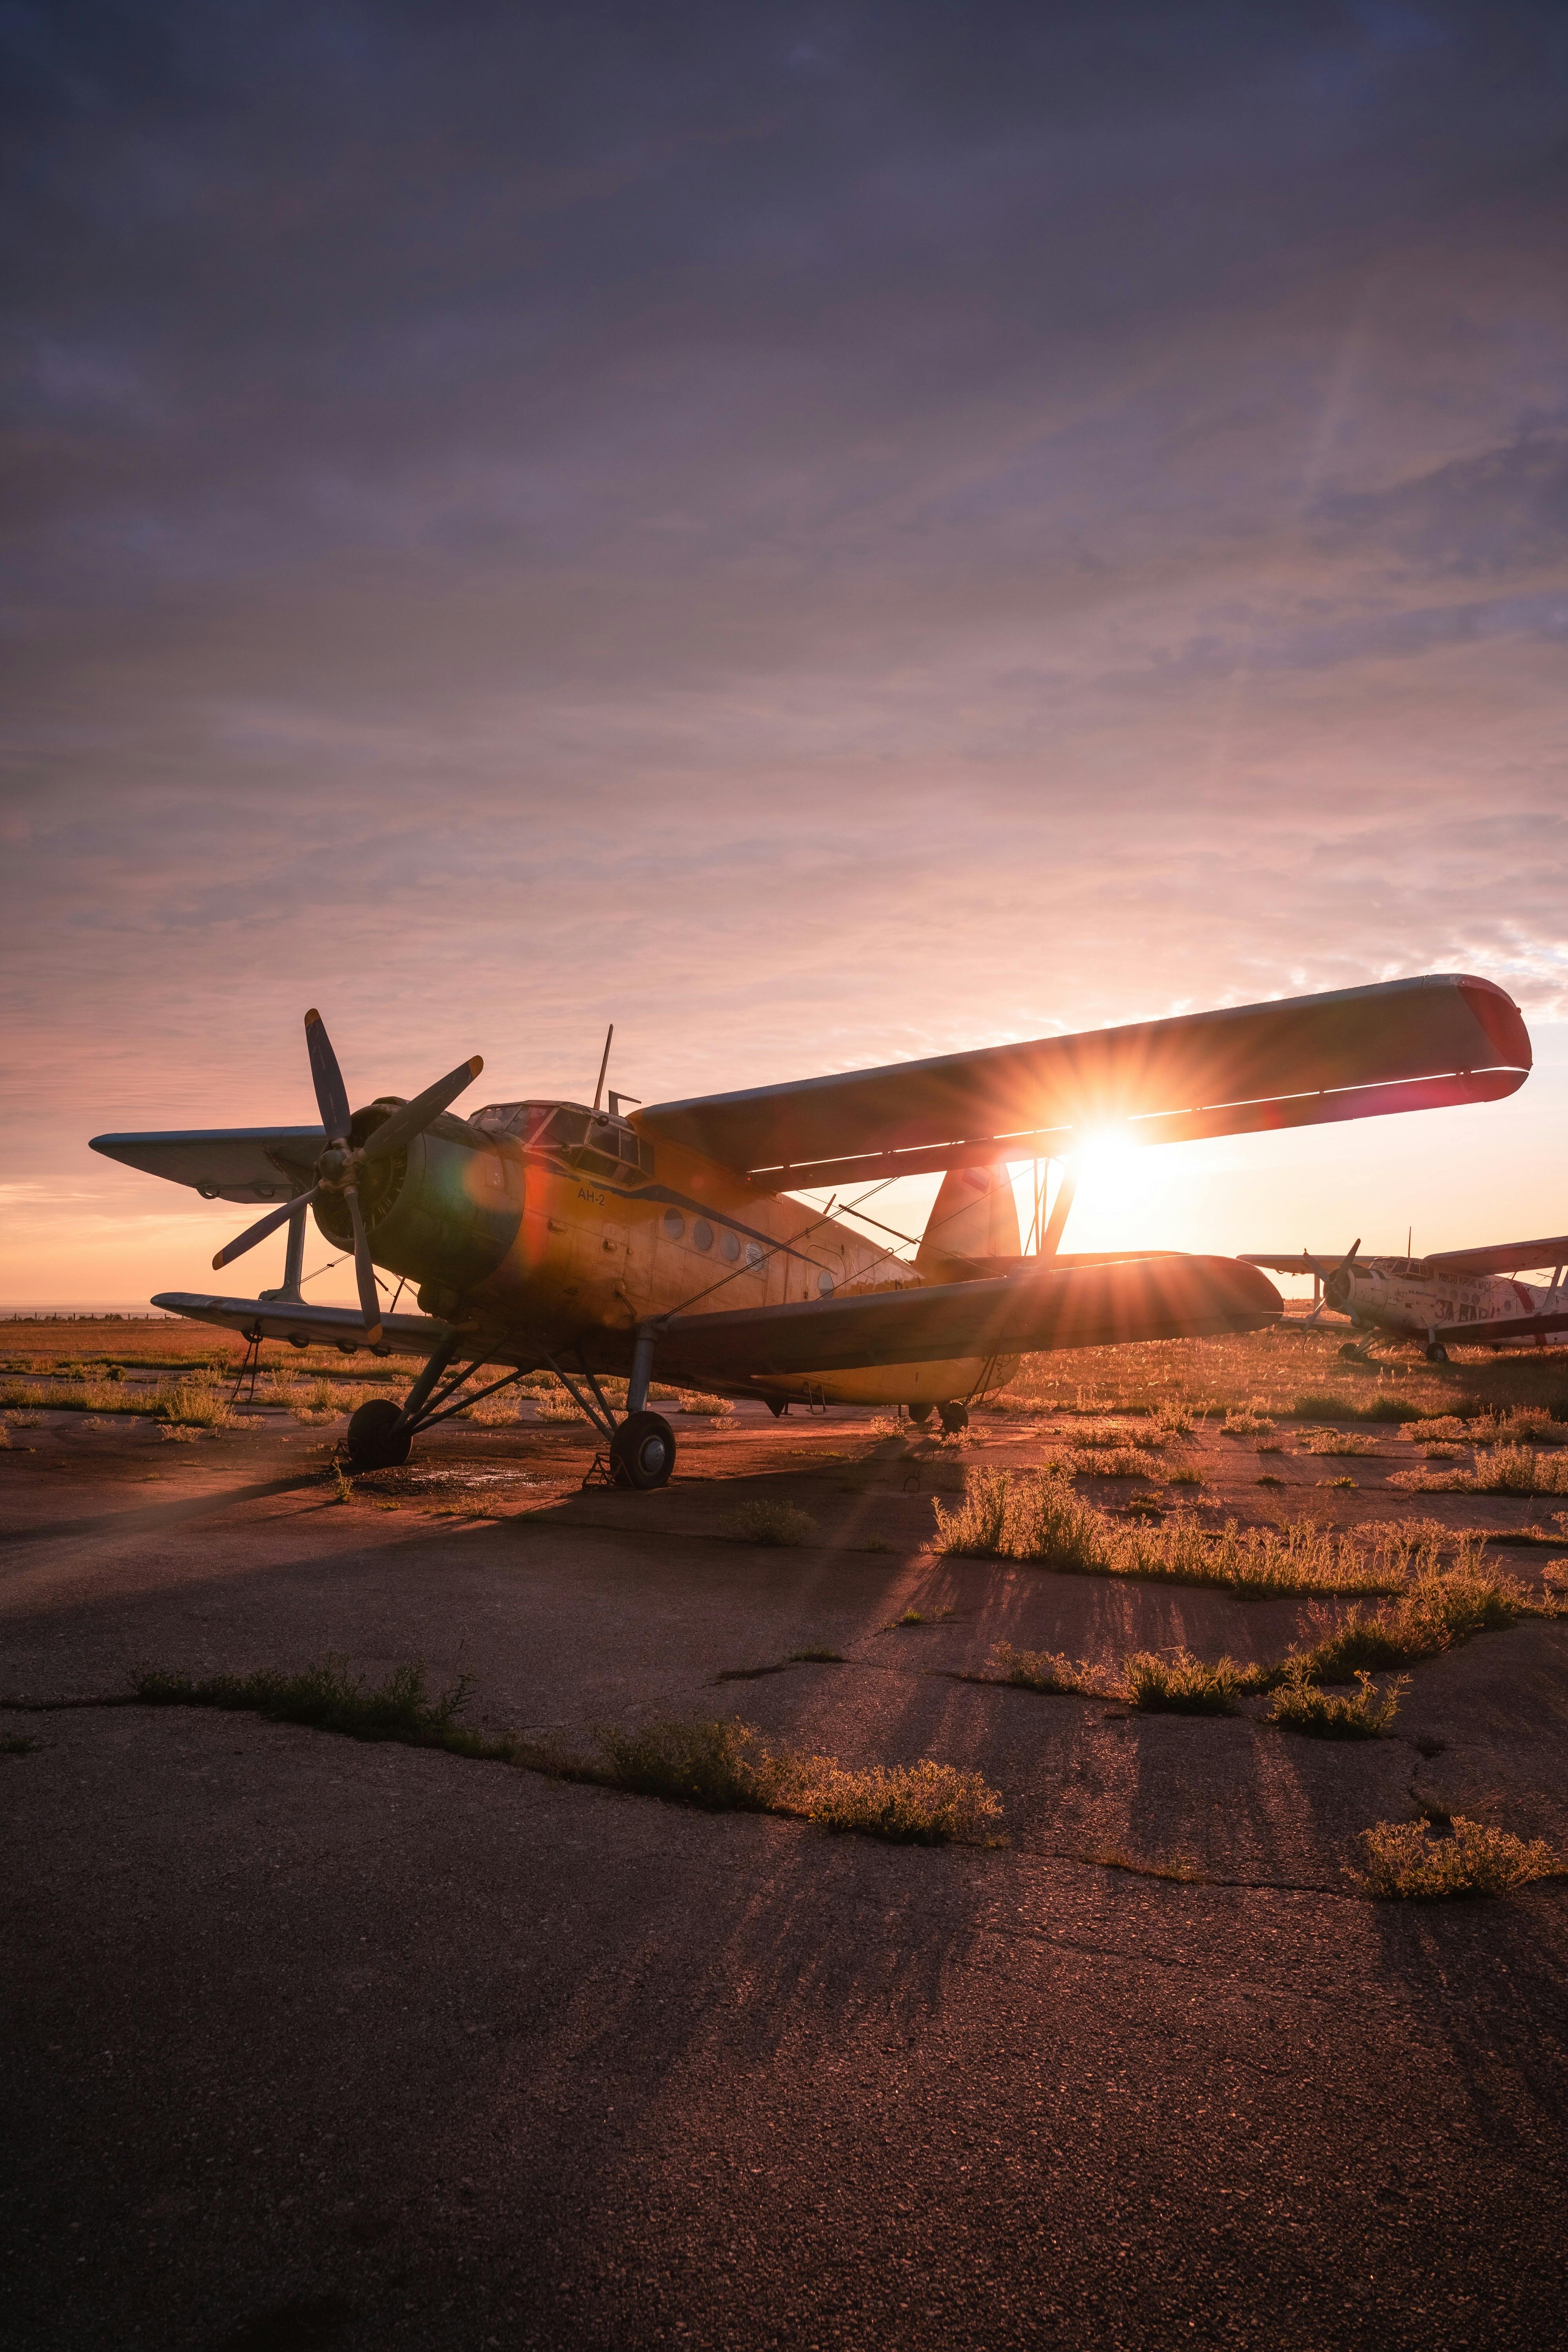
pixel 549 1234
pixel 1456 1298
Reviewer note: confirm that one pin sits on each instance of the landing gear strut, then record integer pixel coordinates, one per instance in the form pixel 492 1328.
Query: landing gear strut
pixel 641 1443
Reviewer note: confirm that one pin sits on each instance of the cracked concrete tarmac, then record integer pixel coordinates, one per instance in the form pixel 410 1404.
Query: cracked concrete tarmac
pixel 321 2043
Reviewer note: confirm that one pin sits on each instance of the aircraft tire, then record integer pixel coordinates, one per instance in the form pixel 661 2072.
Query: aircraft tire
pixel 372 1445
pixel 1436 1353
pixel 642 1452
pixel 953 1417
pixel 919 1414
pixel 1352 1353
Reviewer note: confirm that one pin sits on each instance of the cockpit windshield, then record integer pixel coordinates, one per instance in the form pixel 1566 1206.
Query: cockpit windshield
pixel 591 1140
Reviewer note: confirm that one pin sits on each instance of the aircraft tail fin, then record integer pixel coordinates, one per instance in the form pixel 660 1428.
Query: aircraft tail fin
pixel 973 1218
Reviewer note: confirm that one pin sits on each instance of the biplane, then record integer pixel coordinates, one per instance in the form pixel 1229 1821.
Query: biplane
pixel 598 1243
pixel 1470 1298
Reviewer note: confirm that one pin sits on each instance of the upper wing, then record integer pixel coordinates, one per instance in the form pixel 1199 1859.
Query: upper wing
pixel 224 1163
pixel 1298 1261
pixel 1402 1044
pixel 275 1318
pixel 1503 1258
pixel 1082 1306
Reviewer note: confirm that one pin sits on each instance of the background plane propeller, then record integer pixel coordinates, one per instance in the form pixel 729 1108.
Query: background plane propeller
pixel 337 1169
pixel 1336 1282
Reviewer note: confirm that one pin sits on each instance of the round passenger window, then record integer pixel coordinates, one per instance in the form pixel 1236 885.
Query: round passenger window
pixel 753 1253
pixel 729 1245
pixel 825 1284
pixel 702 1234
pixel 674 1223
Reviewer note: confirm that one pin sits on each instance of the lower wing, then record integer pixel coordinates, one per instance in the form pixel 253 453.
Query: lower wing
pixel 1081 1306
pixel 307 1327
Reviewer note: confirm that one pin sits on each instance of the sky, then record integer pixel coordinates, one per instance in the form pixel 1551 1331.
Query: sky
pixel 820 534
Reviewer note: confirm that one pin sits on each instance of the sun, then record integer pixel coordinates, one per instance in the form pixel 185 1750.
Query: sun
pixel 1106 1156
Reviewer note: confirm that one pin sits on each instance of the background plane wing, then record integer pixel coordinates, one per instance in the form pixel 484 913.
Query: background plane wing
pixel 1293 1261
pixel 1503 1258
pixel 1081 1306
pixel 316 1327
pixel 1402 1045
pixel 224 1163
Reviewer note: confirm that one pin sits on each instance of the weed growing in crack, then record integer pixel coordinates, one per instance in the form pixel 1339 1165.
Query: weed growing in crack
pixel 326 1697
pixel 1403 1862
pixel 1301 1707
pixel 1435 1613
pixel 1504 1470
pixel 1182 1684
pixel 1036 1516
pixel 1050 1671
pixel 723 1765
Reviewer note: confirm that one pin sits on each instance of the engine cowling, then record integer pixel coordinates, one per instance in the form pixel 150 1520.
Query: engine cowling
pixel 445 1211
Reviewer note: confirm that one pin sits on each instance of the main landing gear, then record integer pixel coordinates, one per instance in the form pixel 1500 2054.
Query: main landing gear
pixel 641 1443
pixel 952 1416
pixel 1436 1352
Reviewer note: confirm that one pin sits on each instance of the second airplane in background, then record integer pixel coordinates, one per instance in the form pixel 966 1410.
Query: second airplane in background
pixel 1469 1299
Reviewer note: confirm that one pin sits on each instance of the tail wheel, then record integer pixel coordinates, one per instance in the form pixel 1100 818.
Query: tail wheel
pixel 1436 1353
pixel 953 1417
pixel 372 1443
pixel 642 1452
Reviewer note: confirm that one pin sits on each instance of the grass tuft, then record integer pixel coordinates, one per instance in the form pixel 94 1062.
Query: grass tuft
pixel 779 1525
pixel 1405 1862
pixel 1503 1470
pixel 1051 1671
pixel 1182 1684
pixel 723 1765
pixel 712 1408
pixel 1439 1610
pixel 1036 1516
pixel 1337 1441
pixel 1299 1706
pixel 326 1697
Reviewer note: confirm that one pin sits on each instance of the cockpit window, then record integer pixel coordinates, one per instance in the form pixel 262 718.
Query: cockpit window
pixel 590 1140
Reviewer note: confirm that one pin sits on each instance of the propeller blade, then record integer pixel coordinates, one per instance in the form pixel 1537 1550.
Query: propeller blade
pixel 415 1117
pixel 332 1094
pixel 263 1226
pixel 364 1272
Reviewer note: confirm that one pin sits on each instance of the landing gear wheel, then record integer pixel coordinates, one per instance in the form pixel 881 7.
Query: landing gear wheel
pixel 778 1407
pixel 372 1444
pixel 1351 1354
pixel 642 1452
pixel 954 1418
pixel 1436 1353
pixel 919 1414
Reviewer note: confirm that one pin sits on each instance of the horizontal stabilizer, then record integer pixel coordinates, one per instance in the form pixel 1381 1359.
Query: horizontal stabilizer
pixel 1082 1306
pixel 1350 1052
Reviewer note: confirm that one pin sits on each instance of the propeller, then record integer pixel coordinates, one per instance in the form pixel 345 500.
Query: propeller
pixel 1336 1282
pixel 342 1163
